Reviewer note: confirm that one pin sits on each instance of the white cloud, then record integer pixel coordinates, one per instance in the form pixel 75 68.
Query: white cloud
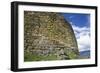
pixel 71 17
pixel 83 37
pixel 71 23
pixel 80 29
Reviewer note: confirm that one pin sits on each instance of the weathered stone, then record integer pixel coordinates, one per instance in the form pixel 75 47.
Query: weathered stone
pixel 48 33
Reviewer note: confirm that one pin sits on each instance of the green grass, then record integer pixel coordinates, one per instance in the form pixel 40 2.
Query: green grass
pixel 31 57
pixel 71 54
pixel 35 57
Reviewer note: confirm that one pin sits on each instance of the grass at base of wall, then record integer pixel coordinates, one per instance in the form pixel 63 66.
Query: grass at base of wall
pixel 35 57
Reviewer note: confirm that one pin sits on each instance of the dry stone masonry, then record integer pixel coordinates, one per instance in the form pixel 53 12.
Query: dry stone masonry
pixel 48 36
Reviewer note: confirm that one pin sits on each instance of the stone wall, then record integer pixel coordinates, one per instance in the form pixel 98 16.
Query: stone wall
pixel 47 33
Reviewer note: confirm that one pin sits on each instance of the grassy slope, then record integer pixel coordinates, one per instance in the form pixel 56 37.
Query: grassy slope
pixel 34 57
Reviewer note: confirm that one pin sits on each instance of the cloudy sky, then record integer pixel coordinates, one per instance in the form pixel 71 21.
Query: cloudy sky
pixel 81 27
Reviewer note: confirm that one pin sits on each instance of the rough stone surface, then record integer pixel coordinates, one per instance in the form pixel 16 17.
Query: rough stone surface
pixel 48 34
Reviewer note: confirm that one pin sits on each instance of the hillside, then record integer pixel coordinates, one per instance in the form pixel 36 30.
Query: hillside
pixel 47 36
pixel 84 54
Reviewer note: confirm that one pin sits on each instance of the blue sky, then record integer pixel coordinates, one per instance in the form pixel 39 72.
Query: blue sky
pixel 78 19
pixel 81 26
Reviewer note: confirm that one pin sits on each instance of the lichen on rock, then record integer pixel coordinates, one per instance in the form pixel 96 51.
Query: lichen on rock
pixel 48 36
